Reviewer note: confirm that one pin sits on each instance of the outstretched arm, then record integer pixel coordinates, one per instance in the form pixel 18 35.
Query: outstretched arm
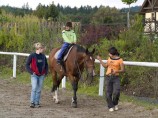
pixel 101 62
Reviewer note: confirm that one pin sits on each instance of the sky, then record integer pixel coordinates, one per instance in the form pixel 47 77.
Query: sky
pixel 72 3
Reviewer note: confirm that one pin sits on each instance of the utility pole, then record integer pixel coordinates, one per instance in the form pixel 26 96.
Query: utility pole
pixel 128 20
pixel 128 17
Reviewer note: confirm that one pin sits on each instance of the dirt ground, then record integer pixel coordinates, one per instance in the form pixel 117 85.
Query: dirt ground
pixel 14 103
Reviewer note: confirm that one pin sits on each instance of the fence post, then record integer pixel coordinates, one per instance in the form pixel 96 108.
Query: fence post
pixel 101 81
pixel 64 82
pixel 14 66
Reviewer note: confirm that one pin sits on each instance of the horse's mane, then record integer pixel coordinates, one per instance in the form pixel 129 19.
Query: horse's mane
pixel 80 48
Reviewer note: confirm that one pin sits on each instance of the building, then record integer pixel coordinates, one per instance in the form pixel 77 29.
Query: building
pixel 150 11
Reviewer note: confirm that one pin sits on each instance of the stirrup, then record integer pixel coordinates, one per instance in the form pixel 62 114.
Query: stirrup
pixel 59 62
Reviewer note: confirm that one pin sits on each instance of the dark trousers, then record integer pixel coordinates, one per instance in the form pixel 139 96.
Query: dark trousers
pixel 112 90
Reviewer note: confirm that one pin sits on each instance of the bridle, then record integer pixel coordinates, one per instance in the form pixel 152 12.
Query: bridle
pixel 85 65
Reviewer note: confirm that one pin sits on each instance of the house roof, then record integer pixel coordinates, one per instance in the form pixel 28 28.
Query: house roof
pixel 149 6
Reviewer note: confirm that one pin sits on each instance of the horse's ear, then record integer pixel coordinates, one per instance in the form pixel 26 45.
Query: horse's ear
pixel 93 51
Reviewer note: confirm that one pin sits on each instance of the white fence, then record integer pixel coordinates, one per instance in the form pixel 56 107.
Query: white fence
pixel 101 81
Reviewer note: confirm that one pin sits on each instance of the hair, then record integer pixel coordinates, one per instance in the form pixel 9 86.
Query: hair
pixel 113 51
pixel 38 45
pixel 69 24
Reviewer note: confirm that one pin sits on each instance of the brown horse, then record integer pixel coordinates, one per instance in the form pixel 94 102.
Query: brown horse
pixel 78 59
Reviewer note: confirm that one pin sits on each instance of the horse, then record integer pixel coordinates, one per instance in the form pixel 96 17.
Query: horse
pixel 78 59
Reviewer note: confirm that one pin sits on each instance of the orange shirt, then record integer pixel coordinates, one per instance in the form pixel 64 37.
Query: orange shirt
pixel 113 64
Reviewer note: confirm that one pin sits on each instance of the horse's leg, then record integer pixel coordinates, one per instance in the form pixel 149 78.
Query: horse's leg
pixel 55 86
pixel 74 83
pixel 54 78
pixel 55 97
pixel 74 99
pixel 56 83
pixel 57 90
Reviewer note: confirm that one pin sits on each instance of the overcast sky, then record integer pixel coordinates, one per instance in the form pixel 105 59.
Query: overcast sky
pixel 34 3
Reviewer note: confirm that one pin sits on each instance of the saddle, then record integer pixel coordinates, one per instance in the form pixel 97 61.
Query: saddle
pixel 66 53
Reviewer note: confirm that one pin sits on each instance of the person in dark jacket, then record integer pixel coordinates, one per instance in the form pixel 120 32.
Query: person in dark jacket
pixel 37 66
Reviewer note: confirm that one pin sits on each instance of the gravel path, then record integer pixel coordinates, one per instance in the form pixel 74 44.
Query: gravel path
pixel 14 103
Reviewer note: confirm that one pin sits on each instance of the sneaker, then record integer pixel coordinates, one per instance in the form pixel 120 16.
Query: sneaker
pixel 37 106
pixel 32 105
pixel 116 108
pixel 111 109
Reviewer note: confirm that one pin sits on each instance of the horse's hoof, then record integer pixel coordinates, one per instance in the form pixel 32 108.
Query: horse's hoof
pixel 74 105
pixel 57 102
pixel 54 98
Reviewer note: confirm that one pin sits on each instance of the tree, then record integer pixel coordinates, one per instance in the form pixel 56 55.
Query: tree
pixel 25 6
pixel 47 12
pixel 52 12
pixel 128 2
pixel 0 11
pixel 105 15
pixel 40 11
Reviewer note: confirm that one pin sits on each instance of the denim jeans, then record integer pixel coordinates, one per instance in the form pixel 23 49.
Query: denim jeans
pixel 62 51
pixel 37 83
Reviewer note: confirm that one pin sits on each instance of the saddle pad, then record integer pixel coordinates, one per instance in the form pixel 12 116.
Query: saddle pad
pixel 65 57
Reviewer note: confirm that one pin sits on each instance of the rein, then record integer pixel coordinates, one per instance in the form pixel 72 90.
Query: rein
pixel 79 70
pixel 86 66
pixel 85 62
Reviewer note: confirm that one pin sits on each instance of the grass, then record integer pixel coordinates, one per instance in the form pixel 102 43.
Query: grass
pixel 6 72
pixel 135 100
pixel 24 78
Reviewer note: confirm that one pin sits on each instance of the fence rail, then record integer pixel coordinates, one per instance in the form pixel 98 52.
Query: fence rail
pixel 101 81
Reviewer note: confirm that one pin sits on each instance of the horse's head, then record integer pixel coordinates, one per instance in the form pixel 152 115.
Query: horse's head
pixel 89 64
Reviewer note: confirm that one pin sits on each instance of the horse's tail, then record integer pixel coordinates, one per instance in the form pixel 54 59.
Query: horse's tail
pixel 52 68
pixel 51 56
